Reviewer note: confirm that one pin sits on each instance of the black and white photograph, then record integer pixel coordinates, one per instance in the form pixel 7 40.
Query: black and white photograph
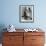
pixel 26 13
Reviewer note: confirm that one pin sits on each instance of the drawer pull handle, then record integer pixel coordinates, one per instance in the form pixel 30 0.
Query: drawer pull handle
pixel 10 38
pixel 33 39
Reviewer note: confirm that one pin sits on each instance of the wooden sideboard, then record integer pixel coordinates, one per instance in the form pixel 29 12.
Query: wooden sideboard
pixel 23 38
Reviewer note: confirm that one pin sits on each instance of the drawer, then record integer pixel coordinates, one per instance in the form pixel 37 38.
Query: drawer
pixel 18 44
pixel 27 41
pixel 8 44
pixel 12 39
pixel 34 33
pixel 27 37
pixel 37 39
pixel 37 44
pixel 13 33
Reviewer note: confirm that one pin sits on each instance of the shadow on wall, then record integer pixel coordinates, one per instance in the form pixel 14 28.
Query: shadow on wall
pixel 2 26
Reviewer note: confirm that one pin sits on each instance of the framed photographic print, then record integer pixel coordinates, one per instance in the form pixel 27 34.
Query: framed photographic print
pixel 26 13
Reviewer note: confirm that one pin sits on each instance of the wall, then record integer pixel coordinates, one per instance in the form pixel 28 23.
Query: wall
pixel 10 13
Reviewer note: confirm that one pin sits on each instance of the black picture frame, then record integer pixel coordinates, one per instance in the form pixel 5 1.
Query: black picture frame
pixel 26 13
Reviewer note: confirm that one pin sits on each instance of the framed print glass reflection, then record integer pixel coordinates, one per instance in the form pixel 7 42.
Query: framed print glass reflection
pixel 26 13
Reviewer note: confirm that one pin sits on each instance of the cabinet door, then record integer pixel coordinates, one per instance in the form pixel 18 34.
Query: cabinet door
pixel 13 40
pixel 37 40
pixel 27 40
pixel 18 40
